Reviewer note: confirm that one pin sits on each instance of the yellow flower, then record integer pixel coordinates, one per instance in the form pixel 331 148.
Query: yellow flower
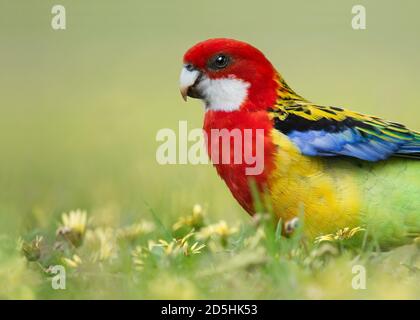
pixel 75 220
pixel 193 221
pixel 73 226
pixel 31 250
pixel 134 231
pixel 197 209
pixel 327 237
pixel 186 248
pixel 218 229
pixel 103 243
pixel 342 234
pixel 177 246
pixel 74 262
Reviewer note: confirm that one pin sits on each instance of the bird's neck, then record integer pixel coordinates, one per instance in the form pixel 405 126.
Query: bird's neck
pixel 284 92
pixel 273 92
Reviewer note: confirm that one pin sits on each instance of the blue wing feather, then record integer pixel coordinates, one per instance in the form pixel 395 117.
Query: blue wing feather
pixel 348 142
pixel 368 138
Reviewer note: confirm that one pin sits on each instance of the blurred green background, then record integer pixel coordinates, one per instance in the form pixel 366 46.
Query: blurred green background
pixel 80 108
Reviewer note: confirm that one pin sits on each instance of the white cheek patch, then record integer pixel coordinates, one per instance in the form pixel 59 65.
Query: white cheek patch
pixel 225 94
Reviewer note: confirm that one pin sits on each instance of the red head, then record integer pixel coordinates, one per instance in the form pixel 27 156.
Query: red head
pixel 228 75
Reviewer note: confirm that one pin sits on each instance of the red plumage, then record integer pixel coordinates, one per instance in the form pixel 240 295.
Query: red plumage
pixel 234 174
pixel 250 65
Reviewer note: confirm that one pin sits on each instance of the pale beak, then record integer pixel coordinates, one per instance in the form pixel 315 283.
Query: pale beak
pixel 187 79
pixel 184 92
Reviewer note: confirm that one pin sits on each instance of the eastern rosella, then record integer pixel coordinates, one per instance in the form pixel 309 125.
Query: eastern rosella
pixel 345 169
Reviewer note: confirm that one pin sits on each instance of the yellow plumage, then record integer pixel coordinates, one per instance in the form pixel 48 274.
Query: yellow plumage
pixel 329 199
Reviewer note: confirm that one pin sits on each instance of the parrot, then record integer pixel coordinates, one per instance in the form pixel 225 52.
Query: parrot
pixel 331 167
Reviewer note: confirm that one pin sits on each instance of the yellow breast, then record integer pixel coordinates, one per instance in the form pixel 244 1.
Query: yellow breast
pixel 327 195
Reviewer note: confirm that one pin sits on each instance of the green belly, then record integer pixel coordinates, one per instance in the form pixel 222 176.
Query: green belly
pixel 390 197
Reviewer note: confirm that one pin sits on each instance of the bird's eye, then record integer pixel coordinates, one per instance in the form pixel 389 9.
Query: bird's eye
pixel 189 67
pixel 219 62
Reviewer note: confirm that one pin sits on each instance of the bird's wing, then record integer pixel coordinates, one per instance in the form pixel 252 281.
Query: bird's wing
pixel 332 131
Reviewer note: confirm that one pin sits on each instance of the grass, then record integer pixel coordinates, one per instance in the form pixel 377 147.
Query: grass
pixel 195 258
